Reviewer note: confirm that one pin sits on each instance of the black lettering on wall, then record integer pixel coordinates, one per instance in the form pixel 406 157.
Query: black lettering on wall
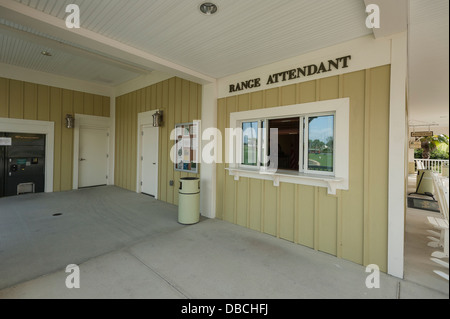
pixel 309 70
pixel 334 64
pixel 345 59
pixel 250 84
pixel 301 71
pixel 312 69
pixel 322 68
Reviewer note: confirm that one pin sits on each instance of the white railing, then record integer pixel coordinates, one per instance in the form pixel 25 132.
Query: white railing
pixel 431 164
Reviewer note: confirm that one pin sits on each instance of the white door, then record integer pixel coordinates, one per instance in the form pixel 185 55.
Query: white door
pixel 93 157
pixel 149 168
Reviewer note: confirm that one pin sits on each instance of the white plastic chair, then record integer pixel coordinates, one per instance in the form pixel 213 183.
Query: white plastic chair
pixel 441 225
pixel 420 164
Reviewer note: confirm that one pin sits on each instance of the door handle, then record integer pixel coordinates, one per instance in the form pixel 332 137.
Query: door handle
pixel 82 159
pixel 154 163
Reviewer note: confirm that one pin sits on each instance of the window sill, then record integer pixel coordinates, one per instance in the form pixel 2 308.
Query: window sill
pixel 332 183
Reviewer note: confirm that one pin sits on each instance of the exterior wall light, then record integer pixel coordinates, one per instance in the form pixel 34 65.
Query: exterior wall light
pixel 157 119
pixel 70 121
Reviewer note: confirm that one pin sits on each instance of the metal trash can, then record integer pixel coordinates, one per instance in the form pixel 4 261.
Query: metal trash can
pixel 189 201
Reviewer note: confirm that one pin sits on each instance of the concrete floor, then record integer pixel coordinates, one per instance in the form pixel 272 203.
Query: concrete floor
pixel 418 266
pixel 130 246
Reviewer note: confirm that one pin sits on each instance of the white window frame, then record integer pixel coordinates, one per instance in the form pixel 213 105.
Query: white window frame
pixel 306 144
pixel 340 108
pixel 258 153
pixel 303 142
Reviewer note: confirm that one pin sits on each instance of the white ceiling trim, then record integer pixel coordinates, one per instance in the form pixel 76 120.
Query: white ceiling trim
pixel 141 82
pixel 27 75
pixel 23 74
pixel 47 24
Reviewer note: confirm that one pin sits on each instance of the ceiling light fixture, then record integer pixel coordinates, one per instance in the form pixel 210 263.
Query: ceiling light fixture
pixel 208 8
pixel 46 53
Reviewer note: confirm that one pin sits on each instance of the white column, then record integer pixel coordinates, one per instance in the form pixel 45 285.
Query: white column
pixel 398 160
pixel 208 171
pixel 112 139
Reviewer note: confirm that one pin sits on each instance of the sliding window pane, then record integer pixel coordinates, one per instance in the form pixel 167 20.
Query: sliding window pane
pixel 250 143
pixel 321 143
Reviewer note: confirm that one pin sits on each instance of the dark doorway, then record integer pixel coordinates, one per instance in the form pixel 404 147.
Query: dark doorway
pixel 22 164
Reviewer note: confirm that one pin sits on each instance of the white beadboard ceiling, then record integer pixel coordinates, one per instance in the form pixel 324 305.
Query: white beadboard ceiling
pixel 429 62
pixel 121 39
pixel 22 49
pixel 241 36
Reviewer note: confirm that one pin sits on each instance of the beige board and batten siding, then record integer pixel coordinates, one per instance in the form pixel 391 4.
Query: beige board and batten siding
pixel 180 101
pixel 30 101
pixel 352 224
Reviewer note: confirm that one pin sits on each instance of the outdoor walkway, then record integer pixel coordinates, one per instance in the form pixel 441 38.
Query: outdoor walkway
pixel 130 246
pixel 418 266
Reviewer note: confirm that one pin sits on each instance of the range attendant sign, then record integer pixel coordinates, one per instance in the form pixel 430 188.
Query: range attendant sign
pixel 304 71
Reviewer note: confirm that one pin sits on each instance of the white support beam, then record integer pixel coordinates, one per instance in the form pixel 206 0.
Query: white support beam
pixel 208 171
pixel 398 143
pixel 27 75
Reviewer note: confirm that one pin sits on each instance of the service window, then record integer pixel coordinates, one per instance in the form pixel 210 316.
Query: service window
pixel 306 144
pixel 298 144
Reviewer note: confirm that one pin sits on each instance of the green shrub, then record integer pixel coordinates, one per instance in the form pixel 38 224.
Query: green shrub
pixel 439 154
pixel 418 153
